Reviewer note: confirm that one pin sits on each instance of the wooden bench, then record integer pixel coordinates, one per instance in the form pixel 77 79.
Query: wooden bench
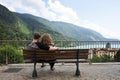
pixel 71 55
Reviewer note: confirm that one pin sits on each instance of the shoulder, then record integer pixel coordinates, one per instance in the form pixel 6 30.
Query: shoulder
pixel 32 45
pixel 42 46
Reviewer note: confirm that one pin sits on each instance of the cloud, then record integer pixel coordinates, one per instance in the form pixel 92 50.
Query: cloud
pixel 62 12
pixel 53 10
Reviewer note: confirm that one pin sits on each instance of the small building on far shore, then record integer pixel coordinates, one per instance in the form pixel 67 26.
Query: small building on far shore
pixel 108 51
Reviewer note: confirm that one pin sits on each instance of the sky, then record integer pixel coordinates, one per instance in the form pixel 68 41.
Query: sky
pixel 102 16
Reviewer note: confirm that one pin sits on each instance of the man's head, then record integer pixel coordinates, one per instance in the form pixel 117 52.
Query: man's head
pixel 37 35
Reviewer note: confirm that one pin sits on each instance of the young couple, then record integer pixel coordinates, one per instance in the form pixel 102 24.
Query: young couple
pixel 43 42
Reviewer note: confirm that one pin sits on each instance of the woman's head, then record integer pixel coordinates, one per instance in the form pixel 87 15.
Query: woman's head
pixel 46 39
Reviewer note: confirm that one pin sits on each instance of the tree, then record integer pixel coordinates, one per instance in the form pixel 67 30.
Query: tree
pixel 108 45
pixel 117 56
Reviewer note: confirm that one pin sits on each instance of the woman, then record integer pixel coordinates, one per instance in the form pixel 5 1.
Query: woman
pixel 47 40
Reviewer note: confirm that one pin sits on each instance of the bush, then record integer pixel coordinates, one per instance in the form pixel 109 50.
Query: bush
pixel 117 56
pixel 96 59
pixel 11 54
pixel 104 58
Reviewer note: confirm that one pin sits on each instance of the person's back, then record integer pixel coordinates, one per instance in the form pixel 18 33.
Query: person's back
pixel 47 40
pixel 32 44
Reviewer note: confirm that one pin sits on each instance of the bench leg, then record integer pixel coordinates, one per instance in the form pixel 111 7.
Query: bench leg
pixel 77 69
pixel 34 74
pixel 77 64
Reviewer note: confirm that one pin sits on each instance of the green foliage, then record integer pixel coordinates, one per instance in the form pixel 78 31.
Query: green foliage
pixel 117 56
pixel 6 15
pixel 96 59
pixel 108 45
pixel 10 25
pixel 11 54
pixel 104 58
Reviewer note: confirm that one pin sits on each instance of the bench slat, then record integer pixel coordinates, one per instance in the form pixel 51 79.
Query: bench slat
pixel 58 54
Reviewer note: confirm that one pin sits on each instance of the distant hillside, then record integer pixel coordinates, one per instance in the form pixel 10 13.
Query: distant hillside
pixel 15 26
pixel 70 30
pixel 77 32
pixel 22 26
pixel 10 25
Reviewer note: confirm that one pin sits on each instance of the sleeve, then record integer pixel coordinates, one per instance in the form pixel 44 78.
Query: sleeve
pixel 43 46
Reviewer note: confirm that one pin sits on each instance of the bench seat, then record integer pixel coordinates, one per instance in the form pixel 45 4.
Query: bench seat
pixel 62 55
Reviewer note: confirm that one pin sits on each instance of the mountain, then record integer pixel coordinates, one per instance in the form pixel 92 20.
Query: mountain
pixel 15 26
pixel 22 26
pixel 77 32
pixel 70 30
pixel 10 25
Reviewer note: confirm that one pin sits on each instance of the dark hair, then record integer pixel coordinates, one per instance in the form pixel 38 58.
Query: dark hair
pixel 37 35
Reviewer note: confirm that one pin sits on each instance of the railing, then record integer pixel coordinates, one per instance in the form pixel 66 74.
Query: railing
pixel 20 44
pixel 69 44
pixel 87 44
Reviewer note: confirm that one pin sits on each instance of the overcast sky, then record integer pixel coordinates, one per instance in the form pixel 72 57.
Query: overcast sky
pixel 102 16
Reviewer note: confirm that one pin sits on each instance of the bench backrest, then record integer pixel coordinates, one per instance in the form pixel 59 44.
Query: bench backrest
pixel 58 54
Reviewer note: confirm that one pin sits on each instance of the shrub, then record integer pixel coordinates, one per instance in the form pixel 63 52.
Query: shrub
pixel 104 58
pixel 96 59
pixel 117 56
pixel 11 54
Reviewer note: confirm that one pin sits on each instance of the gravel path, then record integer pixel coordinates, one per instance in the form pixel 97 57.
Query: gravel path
pixel 102 71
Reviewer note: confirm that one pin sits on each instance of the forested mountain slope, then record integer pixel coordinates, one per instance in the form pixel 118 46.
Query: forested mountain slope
pixel 16 26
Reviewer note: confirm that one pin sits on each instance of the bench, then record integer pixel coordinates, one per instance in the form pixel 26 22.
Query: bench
pixel 62 55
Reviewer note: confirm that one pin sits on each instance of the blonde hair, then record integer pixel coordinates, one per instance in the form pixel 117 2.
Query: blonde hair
pixel 46 39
